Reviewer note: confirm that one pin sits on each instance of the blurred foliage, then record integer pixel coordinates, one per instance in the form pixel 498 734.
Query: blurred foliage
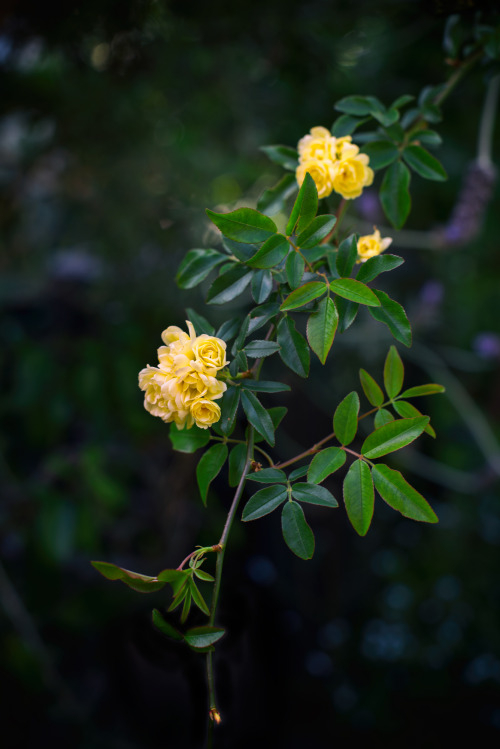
pixel 120 123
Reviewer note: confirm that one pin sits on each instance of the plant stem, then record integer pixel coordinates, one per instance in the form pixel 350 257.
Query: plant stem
pixel 487 123
pixel 213 711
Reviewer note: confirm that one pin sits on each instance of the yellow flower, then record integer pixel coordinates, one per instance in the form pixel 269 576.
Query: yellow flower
pixel 319 144
pixel 322 172
pixel 371 245
pixel 210 351
pixel 345 149
pixel 205 412
pixel 351 175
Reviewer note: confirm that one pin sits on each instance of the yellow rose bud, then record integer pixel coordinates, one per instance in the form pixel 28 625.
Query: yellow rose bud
pixel 205 412
pixel 351 175
pixel 371 245
pixel 322 173
pixel 210 351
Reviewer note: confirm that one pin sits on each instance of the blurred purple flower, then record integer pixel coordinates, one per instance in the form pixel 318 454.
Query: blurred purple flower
pixel 487 345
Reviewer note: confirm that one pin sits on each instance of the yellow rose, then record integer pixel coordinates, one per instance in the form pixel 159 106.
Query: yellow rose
pixel 371 245
pixel 351 175
pixel 322 173
pixel 345 149
pixel 319 144
pixel 210 351
pixel 205 412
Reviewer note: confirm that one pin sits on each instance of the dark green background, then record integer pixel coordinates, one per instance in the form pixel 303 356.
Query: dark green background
pixel 108 157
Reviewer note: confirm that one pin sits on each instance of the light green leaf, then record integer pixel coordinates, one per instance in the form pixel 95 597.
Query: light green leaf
pixel 134 580
pixel 229 286
pixel 381 153
pixel 394 194
pixel 305 206
pixel 197 598
pixel 264 501
pixel 229 407
pixel 401 496
pixel 273 201
pixel 303 295
pixel 297 534
pixel 209 467
pixel 408 411
pixel 319 228
pixel 188 440
pixel 271 253
pixel 325 463
pixel 258 349
pixel 294 268
pixel 359 496
pixel 244 225
pixel 313 494
pixel 393 373
pixel 268 476
pixel 355 291
pixel 393 315
pixel 430 388
pixel 370 388
pixel 383 416
pixel 374 266
pixel 203 637
pixel 346 256
pixel 345 418
pixel 284 156
pixel 393 436
pixel 165 627
pixel 257 415
pixel 294 350
pixel 321 328
pixel 422 162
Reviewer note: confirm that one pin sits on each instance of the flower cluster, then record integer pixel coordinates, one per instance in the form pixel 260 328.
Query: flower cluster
pixel 335 164
pixel 184 385
pixel 371 245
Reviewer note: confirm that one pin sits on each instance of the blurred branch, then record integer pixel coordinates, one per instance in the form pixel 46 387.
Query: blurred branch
pixel 485 138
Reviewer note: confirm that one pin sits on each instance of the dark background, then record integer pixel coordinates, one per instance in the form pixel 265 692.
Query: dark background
pixel 120 122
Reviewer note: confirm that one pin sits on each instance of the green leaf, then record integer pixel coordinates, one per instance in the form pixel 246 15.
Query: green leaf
pixel 359 105
pixel 394 194
pixel 382 417
pixel 257 415
pixel 381 153
pixel 294 268
pixel 387 118
pixel 273 201
pixel 229 329
pixel 359 496
pixel 370 388
pixel 259 316
pixel 303 295
pixel 240 250
pixel 393 436
pixel 298 473
pixel 263 502
pixel 319 228
pixel 203 637
pixel 346 256
pixel 393 373
pixel 393 315
pixel 374 266
pixel 196 266
pixel 347 124
pixel 264 386
pixel 268 476
pixel 294 350
pixel 422 162
pixel 284 156
pixel 345 418
pixel 201 325
pixel 408 411
pixel 321 328
pixel 429 137
pixel 202 575
pixel 232 284
pixel 430 388
pixel 261 286
pixel 325 463
pixel 277 414
pixel 197 598
pixel 244 225
pixel 258 349
pixel 165 628
pixel 188 440
pixel 297 534
pixel 305 206
pixel 355 291
pixel 401 496
pixel 401 101
pixel 134 580
pixel 209 467
pixel 347 313
pixel 271 253
pixel 313 494
pixel 237 460
pixel 229 408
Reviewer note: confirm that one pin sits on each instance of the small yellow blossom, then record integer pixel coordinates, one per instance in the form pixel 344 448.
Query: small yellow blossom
pixel 351 175
pixel 371 245
pixel 319 145
pixel 184 385
pixel 322 173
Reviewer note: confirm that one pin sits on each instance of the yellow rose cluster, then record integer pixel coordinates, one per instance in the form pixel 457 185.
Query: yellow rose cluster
pixel 335 164
pixel 183 387
pixel 371 245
